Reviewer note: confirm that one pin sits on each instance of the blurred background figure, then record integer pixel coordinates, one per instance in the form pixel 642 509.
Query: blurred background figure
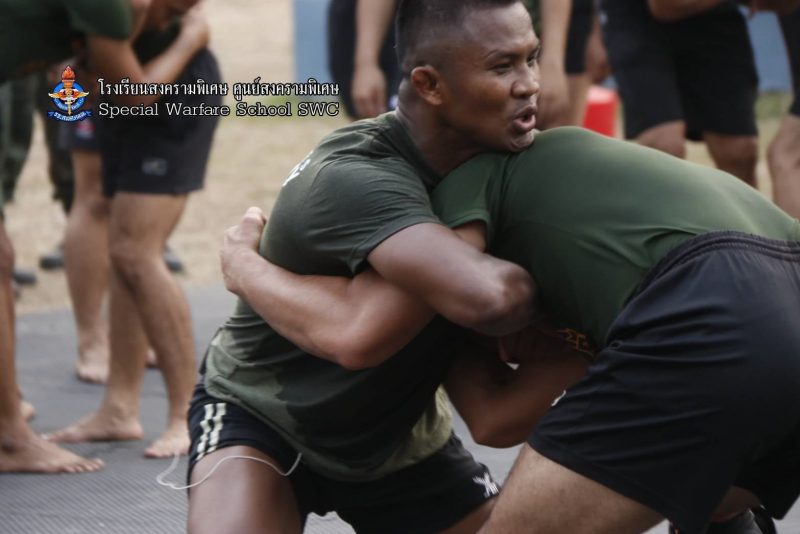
pixel 361 55
pixel 685 70
pixel 29 96
pixel 783 155
pixel 586 59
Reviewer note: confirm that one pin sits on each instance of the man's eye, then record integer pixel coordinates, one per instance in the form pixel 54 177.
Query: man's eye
pixel 500 67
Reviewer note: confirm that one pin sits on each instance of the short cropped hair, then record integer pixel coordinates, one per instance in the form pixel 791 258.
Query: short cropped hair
pixel 417 22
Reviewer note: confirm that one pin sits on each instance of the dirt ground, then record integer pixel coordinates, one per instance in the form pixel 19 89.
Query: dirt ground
pixel 249 160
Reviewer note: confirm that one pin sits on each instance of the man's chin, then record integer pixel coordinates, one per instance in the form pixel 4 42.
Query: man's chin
pixel 522 142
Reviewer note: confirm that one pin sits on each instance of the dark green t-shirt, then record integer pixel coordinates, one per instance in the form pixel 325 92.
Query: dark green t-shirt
pixel 588 216
pixel 359 186
pixel 37 33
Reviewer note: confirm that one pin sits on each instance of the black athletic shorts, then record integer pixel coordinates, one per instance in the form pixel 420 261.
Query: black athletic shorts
pixel 698 388
pixel 163 154
pixel 580 26
pixel 424 498
pixel 700 70
pixel 790 24
pixel 80 135
pixel 342 49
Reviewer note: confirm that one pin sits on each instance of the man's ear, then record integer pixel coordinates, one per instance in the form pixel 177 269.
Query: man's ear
pixel 427 82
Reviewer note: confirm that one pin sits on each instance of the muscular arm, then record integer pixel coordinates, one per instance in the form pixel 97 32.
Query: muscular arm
pixel 373 18
pixel 500 404
pixel 361 322
pixel 114 59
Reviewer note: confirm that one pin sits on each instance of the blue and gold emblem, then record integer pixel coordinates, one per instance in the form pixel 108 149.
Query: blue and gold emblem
pixel 68 96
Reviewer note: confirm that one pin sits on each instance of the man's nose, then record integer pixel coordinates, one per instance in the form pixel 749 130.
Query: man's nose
pixel 527 85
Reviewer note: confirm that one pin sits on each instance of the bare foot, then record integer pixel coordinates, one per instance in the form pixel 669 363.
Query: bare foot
pixel 152 358
pixel 28 453
pixel 27 410
pixel 98 427
pixel 92 364
pixel 175 439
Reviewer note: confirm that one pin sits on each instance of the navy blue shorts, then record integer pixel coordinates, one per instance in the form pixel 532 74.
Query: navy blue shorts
pixel 426 497
pixel 698 388
pixel 700 70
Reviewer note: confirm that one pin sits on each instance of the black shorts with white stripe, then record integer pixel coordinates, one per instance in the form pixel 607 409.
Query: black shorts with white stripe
pixel 427 497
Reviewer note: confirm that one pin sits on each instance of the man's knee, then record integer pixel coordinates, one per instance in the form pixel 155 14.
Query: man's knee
pixel 782 157
pixel 669 138
pixel 98 208
pixel 128 259
pixel 739 153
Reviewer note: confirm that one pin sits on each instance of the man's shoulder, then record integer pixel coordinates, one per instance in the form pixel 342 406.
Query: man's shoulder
pixel 109 18
pixel 359 154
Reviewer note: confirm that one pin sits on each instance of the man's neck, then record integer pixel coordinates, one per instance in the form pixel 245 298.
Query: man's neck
pixel 441 147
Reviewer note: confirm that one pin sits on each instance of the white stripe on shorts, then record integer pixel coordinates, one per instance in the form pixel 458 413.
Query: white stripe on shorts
pixel 212 426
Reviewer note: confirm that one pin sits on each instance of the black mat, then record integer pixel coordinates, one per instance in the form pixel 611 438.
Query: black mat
pixel 124 497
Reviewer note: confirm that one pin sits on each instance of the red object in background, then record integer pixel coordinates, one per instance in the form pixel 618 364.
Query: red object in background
pixel 601 111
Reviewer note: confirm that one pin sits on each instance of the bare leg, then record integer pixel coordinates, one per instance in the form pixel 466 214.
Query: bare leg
pixel 542 497
pixel 669 137
pixel 252 495
pixel 146 305
pixel 474 521
pixel 87 265
pixel 21 450
pixel 784 165
pixel 117 418
pixel 578 85
pixel 140 226
pixel 736 154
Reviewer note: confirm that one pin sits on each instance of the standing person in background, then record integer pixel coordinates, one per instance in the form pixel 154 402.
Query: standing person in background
pixel 586 61
pixel 34 37
pixel 685 70
pixel 783 155
pixel 150 165
pixel 29 95
pixel 361 55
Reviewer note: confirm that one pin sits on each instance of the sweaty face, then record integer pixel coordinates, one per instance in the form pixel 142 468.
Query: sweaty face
pixel 490 82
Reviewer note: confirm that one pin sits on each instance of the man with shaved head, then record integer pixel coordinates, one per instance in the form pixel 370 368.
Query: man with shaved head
pixel 375 445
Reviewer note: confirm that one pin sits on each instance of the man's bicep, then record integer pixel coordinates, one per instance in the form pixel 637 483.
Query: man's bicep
pixel 453 277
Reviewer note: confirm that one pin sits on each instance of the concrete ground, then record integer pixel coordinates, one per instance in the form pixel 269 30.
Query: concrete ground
pixel 124 497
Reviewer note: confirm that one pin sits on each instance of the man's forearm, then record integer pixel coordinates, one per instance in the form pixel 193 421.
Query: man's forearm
pixel 555 24
pixel 114 59
pixel 501 405
pixel 356 323
pixel 455 278
pixel 373 18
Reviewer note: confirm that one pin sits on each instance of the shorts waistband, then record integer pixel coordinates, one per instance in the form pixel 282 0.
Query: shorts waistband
pixel 714 241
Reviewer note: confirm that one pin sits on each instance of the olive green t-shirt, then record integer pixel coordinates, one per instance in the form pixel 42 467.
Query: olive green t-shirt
pixel 588 216
pixel 37 33
pixel 359 186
